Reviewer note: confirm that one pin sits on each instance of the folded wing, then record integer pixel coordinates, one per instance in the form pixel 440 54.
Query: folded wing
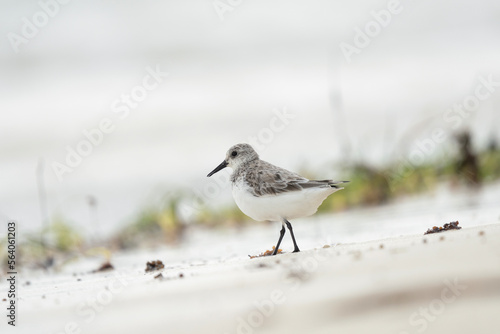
pixel 273 180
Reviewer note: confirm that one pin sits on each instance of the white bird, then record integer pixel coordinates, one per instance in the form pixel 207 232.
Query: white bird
pixel 266 192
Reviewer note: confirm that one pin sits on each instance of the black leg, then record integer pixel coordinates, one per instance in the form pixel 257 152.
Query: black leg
pixel 296 248
pixel 282 233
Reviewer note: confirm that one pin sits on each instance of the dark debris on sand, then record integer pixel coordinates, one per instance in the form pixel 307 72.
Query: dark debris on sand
pixel 104 267
pixel 446 227
pixel 154 265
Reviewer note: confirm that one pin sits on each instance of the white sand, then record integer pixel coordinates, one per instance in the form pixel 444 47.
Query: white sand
pixel 396 285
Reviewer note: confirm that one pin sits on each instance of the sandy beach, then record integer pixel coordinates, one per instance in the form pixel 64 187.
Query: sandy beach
pixel 446 282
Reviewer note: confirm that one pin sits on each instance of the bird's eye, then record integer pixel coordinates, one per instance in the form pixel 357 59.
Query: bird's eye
pixel 234 153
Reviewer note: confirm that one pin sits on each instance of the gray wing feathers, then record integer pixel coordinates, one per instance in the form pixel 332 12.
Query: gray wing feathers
pixel 271 180
pixel 321 183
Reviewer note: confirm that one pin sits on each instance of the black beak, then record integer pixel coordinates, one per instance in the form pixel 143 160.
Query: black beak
pixel 218 168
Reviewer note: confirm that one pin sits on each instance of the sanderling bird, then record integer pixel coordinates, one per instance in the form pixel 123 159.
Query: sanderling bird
pixel 266 192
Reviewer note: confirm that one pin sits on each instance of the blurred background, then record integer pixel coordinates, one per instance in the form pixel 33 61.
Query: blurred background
pixel 403 100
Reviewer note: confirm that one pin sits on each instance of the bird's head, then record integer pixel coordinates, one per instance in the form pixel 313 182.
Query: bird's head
pixel 236 156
